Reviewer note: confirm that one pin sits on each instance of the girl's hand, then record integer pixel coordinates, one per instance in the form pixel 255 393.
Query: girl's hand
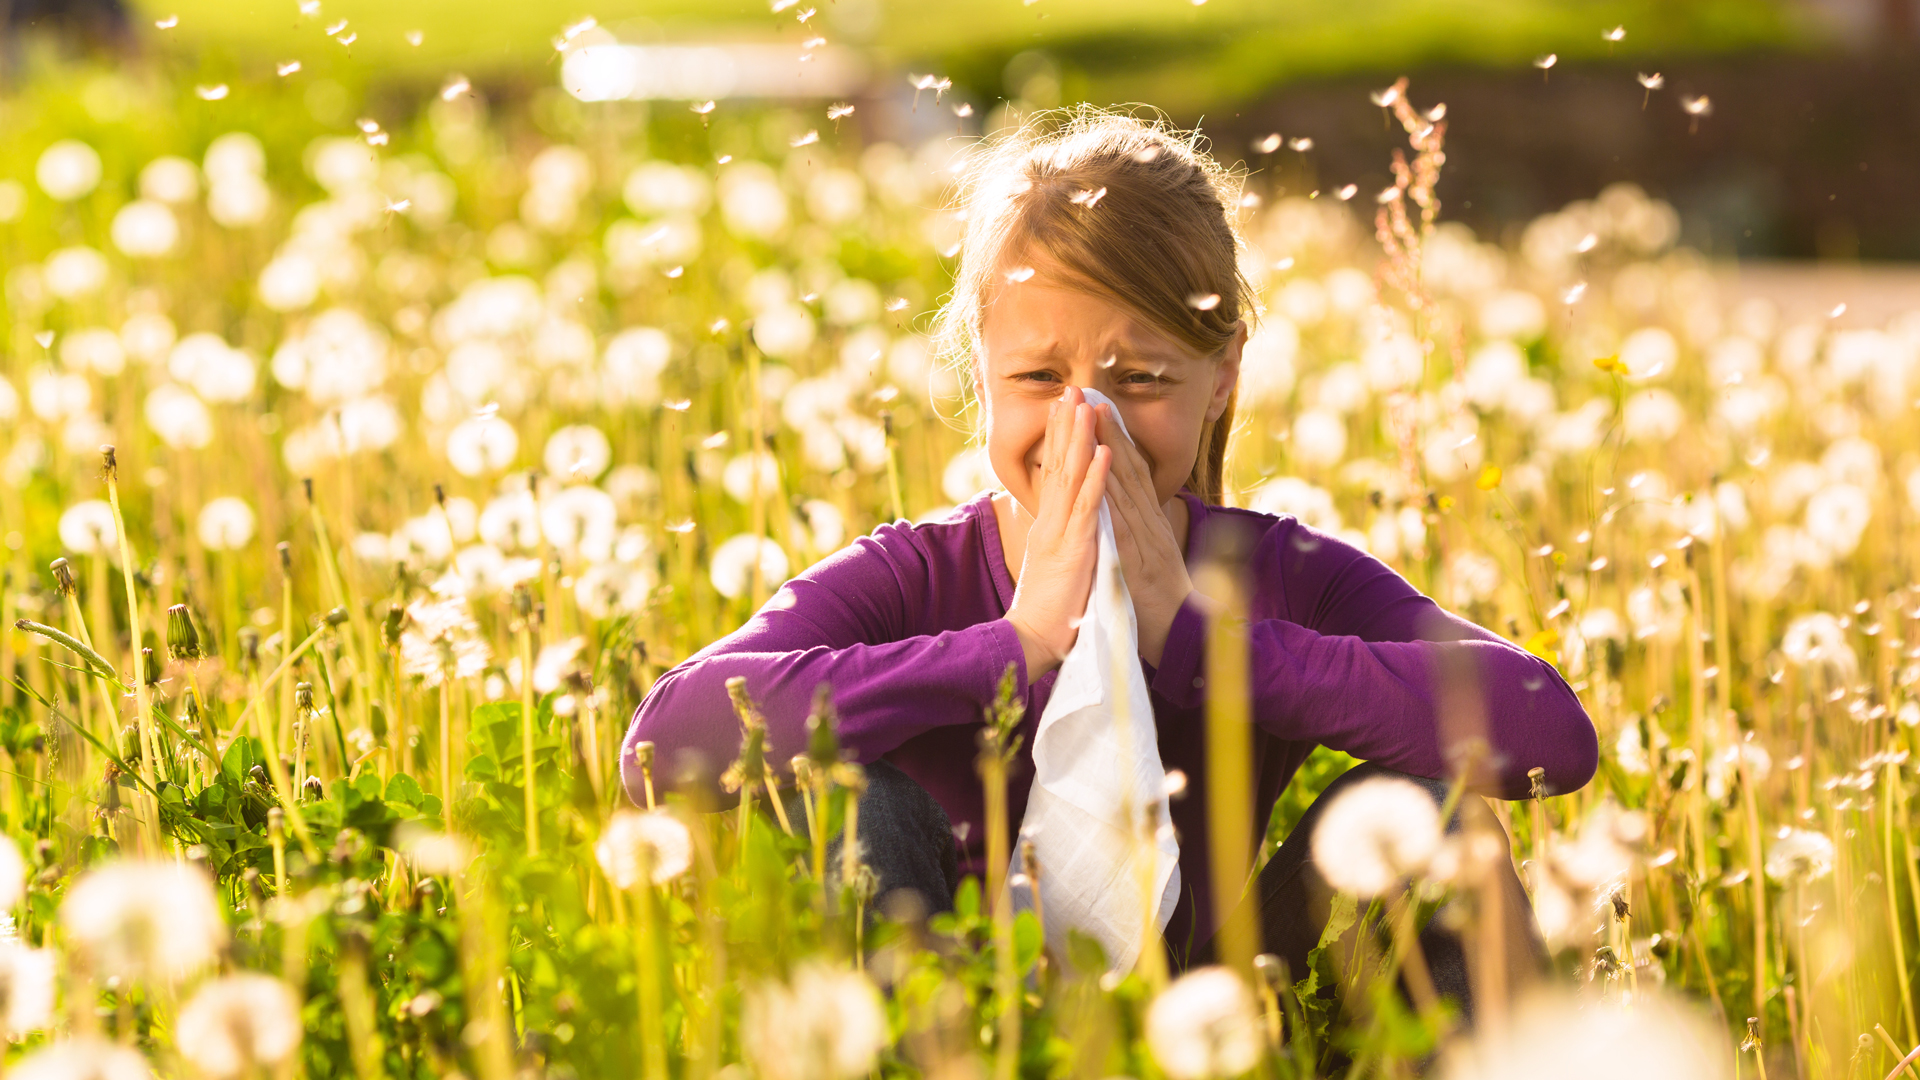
pixel 1150 556
pixel 1056 573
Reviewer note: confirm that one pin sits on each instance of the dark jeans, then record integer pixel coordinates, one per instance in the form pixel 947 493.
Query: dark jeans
pixel 907 840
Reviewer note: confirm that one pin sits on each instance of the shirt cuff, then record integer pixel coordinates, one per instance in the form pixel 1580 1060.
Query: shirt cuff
pixel 1006 649
pixel 1179 678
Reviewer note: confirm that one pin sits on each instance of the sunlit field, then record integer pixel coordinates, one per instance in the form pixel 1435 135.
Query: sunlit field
pixel 434 441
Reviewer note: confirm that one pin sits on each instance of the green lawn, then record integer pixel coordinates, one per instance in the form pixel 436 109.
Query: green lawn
pixel 1171 52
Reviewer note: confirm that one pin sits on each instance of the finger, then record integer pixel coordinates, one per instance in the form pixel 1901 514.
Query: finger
pixel 1086 507
pixel 1050 449
pixel 1080 446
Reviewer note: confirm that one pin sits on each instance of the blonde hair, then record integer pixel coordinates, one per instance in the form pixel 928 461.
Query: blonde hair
pixel 1132 210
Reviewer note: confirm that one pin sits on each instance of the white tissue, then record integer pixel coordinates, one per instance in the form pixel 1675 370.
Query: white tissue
pixel 1097 775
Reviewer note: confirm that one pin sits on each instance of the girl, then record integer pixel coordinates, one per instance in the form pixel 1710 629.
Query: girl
pixel 1103 253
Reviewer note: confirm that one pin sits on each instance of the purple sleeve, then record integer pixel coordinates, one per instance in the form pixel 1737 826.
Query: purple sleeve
pixel 852 621
pixel 1359 660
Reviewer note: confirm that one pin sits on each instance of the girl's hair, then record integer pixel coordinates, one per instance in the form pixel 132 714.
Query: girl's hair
pixel 1132 210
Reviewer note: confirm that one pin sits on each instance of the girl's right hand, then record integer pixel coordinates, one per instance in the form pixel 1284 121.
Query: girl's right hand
pixel 1056 573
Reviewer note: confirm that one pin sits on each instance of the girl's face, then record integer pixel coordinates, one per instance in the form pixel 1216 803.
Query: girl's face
pixel 1044 334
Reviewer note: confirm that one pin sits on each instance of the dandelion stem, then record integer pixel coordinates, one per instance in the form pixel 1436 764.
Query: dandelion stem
pixel 532 808
pixel 143 695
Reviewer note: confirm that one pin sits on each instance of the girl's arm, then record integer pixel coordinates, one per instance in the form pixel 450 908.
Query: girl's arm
pixel 1348 654
pixel 851 622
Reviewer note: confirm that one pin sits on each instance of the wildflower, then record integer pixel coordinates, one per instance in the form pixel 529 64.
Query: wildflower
pixel 578 452
pixel 823 1024
pixel 1375 834
pixel 87 528
pixel 145 229
pixel 75 272
pixel 68 170
pixel 432 851
pixel 441 641
pixel 239 1025
pixel 653 838
pixel 550 666
pixel 152 920
pixel 1837 518
pixel 730 566
pixel 84 1058
pixel 1205 1025
pixel 752 201
pixel 1817 639
pixel 481 444
pixel 1568 1038
pixel 1799 855
pixel 26 989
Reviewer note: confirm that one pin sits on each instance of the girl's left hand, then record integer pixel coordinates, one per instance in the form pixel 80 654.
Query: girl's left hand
pixel 1150 556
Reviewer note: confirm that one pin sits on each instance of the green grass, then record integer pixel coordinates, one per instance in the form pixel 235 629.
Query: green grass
pixel 1171 52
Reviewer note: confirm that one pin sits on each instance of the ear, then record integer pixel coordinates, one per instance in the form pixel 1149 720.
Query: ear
pixel 1226 374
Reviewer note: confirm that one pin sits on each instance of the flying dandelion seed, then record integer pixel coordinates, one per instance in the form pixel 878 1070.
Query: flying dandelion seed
pixel 678 404
pixel 838 110
pixel 963 110
pixel 1697 106
pixel 400 206
pixel 366 125
pixel 928 82
pixel 348 39
pixel 1300 145
pixel 310 8
pixel 1652 82
pixel 1618 33
pixel 455 86
pixel 286 69
pixel 808 139
pixel 1267 144
pixel 335 29
pixel 1019 274
pixel 782 5
pixel 167 23
pixel 806 13
pixel 216 92
pixel 1838 310
pixel 1587 243
pixel 1283 263
pixel 1388 195
pixel 1203 301
pixel 1348 192
pixel 1088 199
pixel 813 43
pixel 702 108
pixel 675 271
pixel 1573 295
pixel 415 37
pixel 723 159
pixel 1249 201
pixel 899 303
pixel 1385 98
pixel 1545 63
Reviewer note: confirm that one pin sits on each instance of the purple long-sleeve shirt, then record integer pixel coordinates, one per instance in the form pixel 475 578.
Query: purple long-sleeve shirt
pixel 908 627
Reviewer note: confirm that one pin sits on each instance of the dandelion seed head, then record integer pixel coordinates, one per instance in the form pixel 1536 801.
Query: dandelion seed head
pixel 86 1057
pixel 654 839
pixel 1205 1025
pixel 1799 855
pixel 238 1024
pixel 156 921
pixel 1375 834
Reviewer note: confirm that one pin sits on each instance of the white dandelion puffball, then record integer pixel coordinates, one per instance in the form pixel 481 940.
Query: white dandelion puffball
pixel 337 357
pixel 226 524
pixel 13 874
pixel 9 402
pixel 235 155
pixel 731 565
pixel 154 920
pixel 660 187
pixel 68 169
pixel 1649 352
pixel 737 478
pixel 1205 1025
pixel 654 837
pixel 181 420
pixel 87 528
pixel 752 201
pixel 75 272
pixel 217 371
pixel 26 988
pixel 236 1025
pixel 481 444
pixel 825 1024
pixel 145 229
pixel 1567 1038
pixel 581 521
pixel 82 1059
pixel 95 349
pixel 611 588
pixel 1375 834
pixel 430 850
pixel 170 180
pixel 239 201
pixel 1800 855
pixel 578 452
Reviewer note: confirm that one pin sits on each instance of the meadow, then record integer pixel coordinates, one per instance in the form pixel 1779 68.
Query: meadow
pixel 434 439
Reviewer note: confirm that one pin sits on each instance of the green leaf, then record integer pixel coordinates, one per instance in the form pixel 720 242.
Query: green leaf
pixel 405 790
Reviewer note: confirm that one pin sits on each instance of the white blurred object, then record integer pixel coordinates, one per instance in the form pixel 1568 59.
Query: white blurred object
pixel 1097 774
pixel 610 71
